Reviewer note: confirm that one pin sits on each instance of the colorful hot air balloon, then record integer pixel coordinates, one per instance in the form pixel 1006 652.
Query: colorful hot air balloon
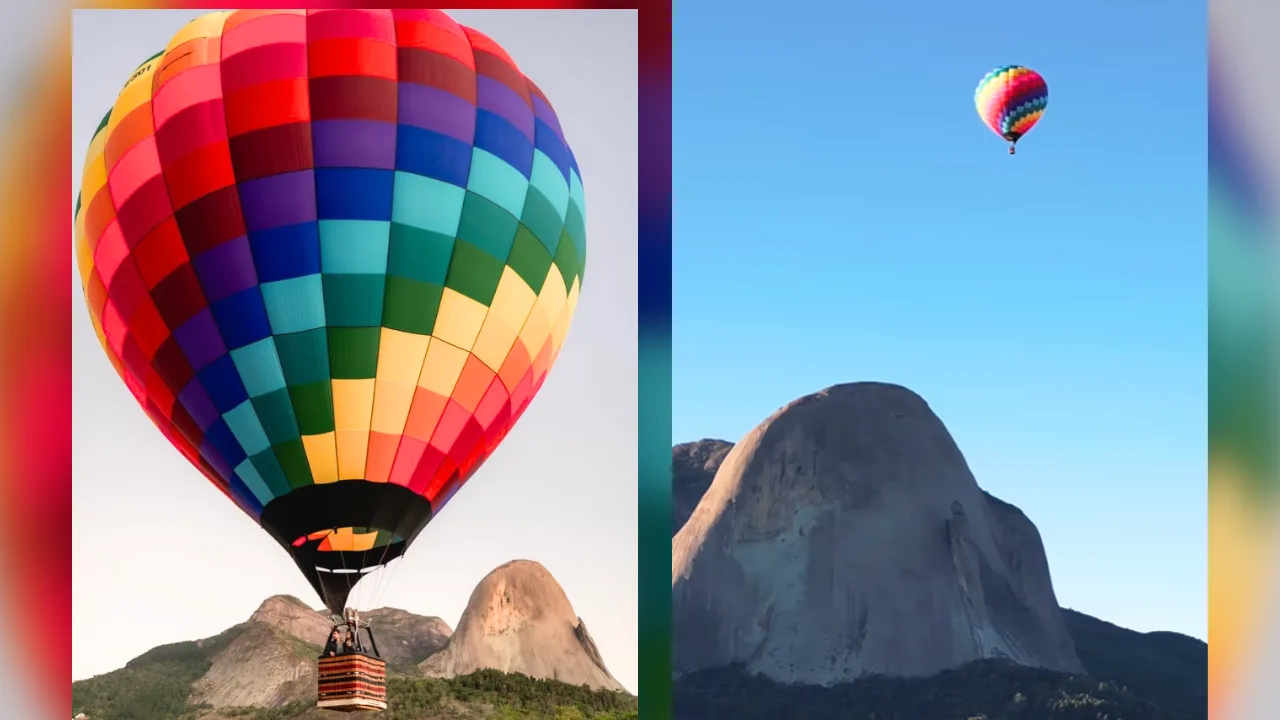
pixel 1010 101
pixel 333 254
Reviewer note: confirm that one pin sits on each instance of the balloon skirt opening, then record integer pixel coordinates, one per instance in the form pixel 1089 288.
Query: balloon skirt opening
pixel 393 509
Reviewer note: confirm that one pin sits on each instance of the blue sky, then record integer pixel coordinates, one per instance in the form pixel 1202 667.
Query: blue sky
pixel 842 214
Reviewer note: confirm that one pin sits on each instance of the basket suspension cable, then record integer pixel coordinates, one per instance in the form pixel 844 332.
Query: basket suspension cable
pixel 381 570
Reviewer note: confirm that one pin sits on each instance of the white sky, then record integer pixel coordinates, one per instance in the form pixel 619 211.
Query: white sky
pixel 161 552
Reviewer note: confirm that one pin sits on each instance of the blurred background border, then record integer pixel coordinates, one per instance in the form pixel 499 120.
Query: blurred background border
pixel 1244 502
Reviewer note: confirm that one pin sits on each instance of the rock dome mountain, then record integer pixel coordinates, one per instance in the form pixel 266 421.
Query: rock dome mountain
pixel 845 536
pixel 520 620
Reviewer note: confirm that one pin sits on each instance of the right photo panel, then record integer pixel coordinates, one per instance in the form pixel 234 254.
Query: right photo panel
pixel 939 364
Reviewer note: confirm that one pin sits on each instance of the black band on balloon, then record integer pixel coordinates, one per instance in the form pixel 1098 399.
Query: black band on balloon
pixel 348 503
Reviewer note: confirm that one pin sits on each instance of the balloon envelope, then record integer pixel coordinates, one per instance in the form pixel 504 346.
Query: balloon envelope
pixel 333 255
pixel 1011 100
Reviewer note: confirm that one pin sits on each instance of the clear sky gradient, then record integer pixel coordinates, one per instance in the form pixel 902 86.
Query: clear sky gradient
pixel 160 555
pixel 842 214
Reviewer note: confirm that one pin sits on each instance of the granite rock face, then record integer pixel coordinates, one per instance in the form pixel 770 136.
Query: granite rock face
pixel 845 535
pixel 519 620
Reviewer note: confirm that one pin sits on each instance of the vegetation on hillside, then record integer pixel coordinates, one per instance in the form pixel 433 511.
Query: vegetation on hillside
pixel 982 690
pixel 511 696
pixel 483 695
pixel 1168 669
pixel 153 685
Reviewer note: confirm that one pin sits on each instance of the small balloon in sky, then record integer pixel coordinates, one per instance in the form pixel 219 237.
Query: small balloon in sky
pixel 1011 100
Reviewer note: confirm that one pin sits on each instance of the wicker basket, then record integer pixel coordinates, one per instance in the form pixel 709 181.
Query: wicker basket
pixel 352 682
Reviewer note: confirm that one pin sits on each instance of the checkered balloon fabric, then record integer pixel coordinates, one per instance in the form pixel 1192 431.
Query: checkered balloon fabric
pixel 332 248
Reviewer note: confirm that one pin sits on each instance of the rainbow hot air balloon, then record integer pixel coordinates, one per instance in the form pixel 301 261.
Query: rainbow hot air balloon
pixel 1011 100
pixel 333 254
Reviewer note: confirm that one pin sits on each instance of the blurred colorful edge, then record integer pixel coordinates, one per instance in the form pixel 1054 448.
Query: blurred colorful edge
pixel 1243 452
pixel 35 353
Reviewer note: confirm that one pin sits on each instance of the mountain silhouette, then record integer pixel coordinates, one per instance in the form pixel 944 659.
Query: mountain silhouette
pixel 265 667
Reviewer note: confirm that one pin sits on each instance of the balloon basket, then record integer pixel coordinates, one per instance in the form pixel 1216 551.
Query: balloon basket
pixel 353 682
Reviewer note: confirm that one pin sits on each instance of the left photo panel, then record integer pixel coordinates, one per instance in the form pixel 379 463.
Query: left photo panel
pixel 354 364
